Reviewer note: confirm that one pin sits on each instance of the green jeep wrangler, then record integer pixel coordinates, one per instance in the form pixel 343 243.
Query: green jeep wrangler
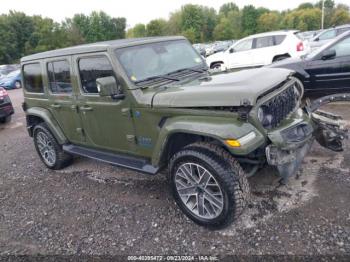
pixel 151 104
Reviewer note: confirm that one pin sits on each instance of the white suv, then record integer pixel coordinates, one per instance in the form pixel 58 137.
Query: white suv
pixel 259 50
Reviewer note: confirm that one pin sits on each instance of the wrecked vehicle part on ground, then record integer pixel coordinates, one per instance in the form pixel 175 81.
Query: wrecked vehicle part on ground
pixel 150 104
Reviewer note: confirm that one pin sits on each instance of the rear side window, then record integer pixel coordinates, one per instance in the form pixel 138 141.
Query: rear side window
pixel 265 41
pixel 92 68
pixel 33 81
pixel 279 39
pixel 59 77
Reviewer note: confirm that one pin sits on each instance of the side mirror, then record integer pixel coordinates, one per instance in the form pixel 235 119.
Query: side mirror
pixel 107 86
pixel 328 54
pixel 231 50
pixel 316 39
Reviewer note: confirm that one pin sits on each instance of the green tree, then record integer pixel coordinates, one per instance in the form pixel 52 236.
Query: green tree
pixel 269 21
pixel 249 20
pixel 174 23
pixel 305 5
pixel 229 26
pixel 139 30
pixel 340 16
pixel 98 26
pixel 226 8
pixel 156 27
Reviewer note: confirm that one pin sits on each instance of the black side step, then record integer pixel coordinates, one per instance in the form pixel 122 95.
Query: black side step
pixel 130 162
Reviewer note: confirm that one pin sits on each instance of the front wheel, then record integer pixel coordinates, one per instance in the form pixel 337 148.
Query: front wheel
pixel 18 84
pixel 49 150
pixel 216 66
pixel 206 186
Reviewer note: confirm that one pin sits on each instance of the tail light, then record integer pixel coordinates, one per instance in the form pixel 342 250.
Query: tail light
pixel 300 46
pixel 3 93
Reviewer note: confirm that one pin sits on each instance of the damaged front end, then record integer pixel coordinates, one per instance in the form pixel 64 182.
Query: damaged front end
pixel 290 146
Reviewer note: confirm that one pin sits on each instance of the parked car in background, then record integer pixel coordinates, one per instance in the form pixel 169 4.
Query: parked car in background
pixel 326 70
pixel 308 35
pixel 218 46
pixel 6 108
pixel 258 50
pixel 200 48
pixel 12 80
pixel 6 69
pixel 327 35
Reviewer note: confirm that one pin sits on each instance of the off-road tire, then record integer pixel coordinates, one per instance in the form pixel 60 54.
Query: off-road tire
pixel 62 159
pixel 226 171
pixel 240 174
pixel 5 120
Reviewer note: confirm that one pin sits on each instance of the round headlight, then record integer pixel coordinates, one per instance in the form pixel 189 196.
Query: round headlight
pixel 261 114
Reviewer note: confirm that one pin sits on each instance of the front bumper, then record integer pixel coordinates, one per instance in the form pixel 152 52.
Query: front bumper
pixel 289 147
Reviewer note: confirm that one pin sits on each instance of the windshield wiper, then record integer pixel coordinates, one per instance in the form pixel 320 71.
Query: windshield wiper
pixel 188 69
pixel 156 78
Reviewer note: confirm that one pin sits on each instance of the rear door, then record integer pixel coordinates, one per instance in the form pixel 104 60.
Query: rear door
pixel 332 75
pixel 62 98
pixel 263 50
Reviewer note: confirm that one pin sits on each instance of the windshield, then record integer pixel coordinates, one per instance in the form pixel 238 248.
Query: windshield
pixel 156 59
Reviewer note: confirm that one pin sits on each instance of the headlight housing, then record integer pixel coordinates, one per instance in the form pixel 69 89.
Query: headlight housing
pixel 264 116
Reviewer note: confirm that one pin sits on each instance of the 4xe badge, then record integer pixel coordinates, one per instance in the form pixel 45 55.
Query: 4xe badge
pixel 144 141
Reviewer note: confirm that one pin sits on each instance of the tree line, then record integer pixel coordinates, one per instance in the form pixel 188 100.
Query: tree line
pixel 23 35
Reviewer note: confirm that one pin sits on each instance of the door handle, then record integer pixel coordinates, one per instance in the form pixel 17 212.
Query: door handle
pixel 56 106
pixel 86 108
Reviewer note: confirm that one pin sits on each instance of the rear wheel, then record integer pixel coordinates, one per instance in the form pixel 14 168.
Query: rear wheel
pixel 49 150
pixel 280 58
pixel 6 119
pixel 206 186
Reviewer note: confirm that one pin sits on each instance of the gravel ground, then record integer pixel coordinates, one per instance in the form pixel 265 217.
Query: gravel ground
pixel 94 208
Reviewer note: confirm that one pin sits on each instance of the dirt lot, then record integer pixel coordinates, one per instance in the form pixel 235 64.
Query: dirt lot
pixel 94 208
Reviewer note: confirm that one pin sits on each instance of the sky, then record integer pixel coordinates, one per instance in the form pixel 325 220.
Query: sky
pixel 135 11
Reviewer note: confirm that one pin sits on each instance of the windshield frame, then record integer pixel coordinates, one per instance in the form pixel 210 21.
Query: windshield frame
pixel 134 83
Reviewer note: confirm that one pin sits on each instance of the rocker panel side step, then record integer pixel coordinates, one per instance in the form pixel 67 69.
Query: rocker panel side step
pixel 137 164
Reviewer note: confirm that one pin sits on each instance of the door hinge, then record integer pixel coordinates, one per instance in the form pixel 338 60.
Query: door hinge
pixel 131 138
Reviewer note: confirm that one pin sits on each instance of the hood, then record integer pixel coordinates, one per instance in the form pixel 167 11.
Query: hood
pixel 229 89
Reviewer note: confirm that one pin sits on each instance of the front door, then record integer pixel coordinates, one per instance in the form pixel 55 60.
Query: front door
pixel 106 122
pixel 62 98
pixel 241 54
pixel 332 74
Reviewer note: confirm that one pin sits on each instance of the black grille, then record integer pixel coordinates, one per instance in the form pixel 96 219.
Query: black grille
pixel 280 106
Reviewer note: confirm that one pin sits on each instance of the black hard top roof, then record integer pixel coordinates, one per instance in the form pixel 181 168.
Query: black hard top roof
pixel 99 46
